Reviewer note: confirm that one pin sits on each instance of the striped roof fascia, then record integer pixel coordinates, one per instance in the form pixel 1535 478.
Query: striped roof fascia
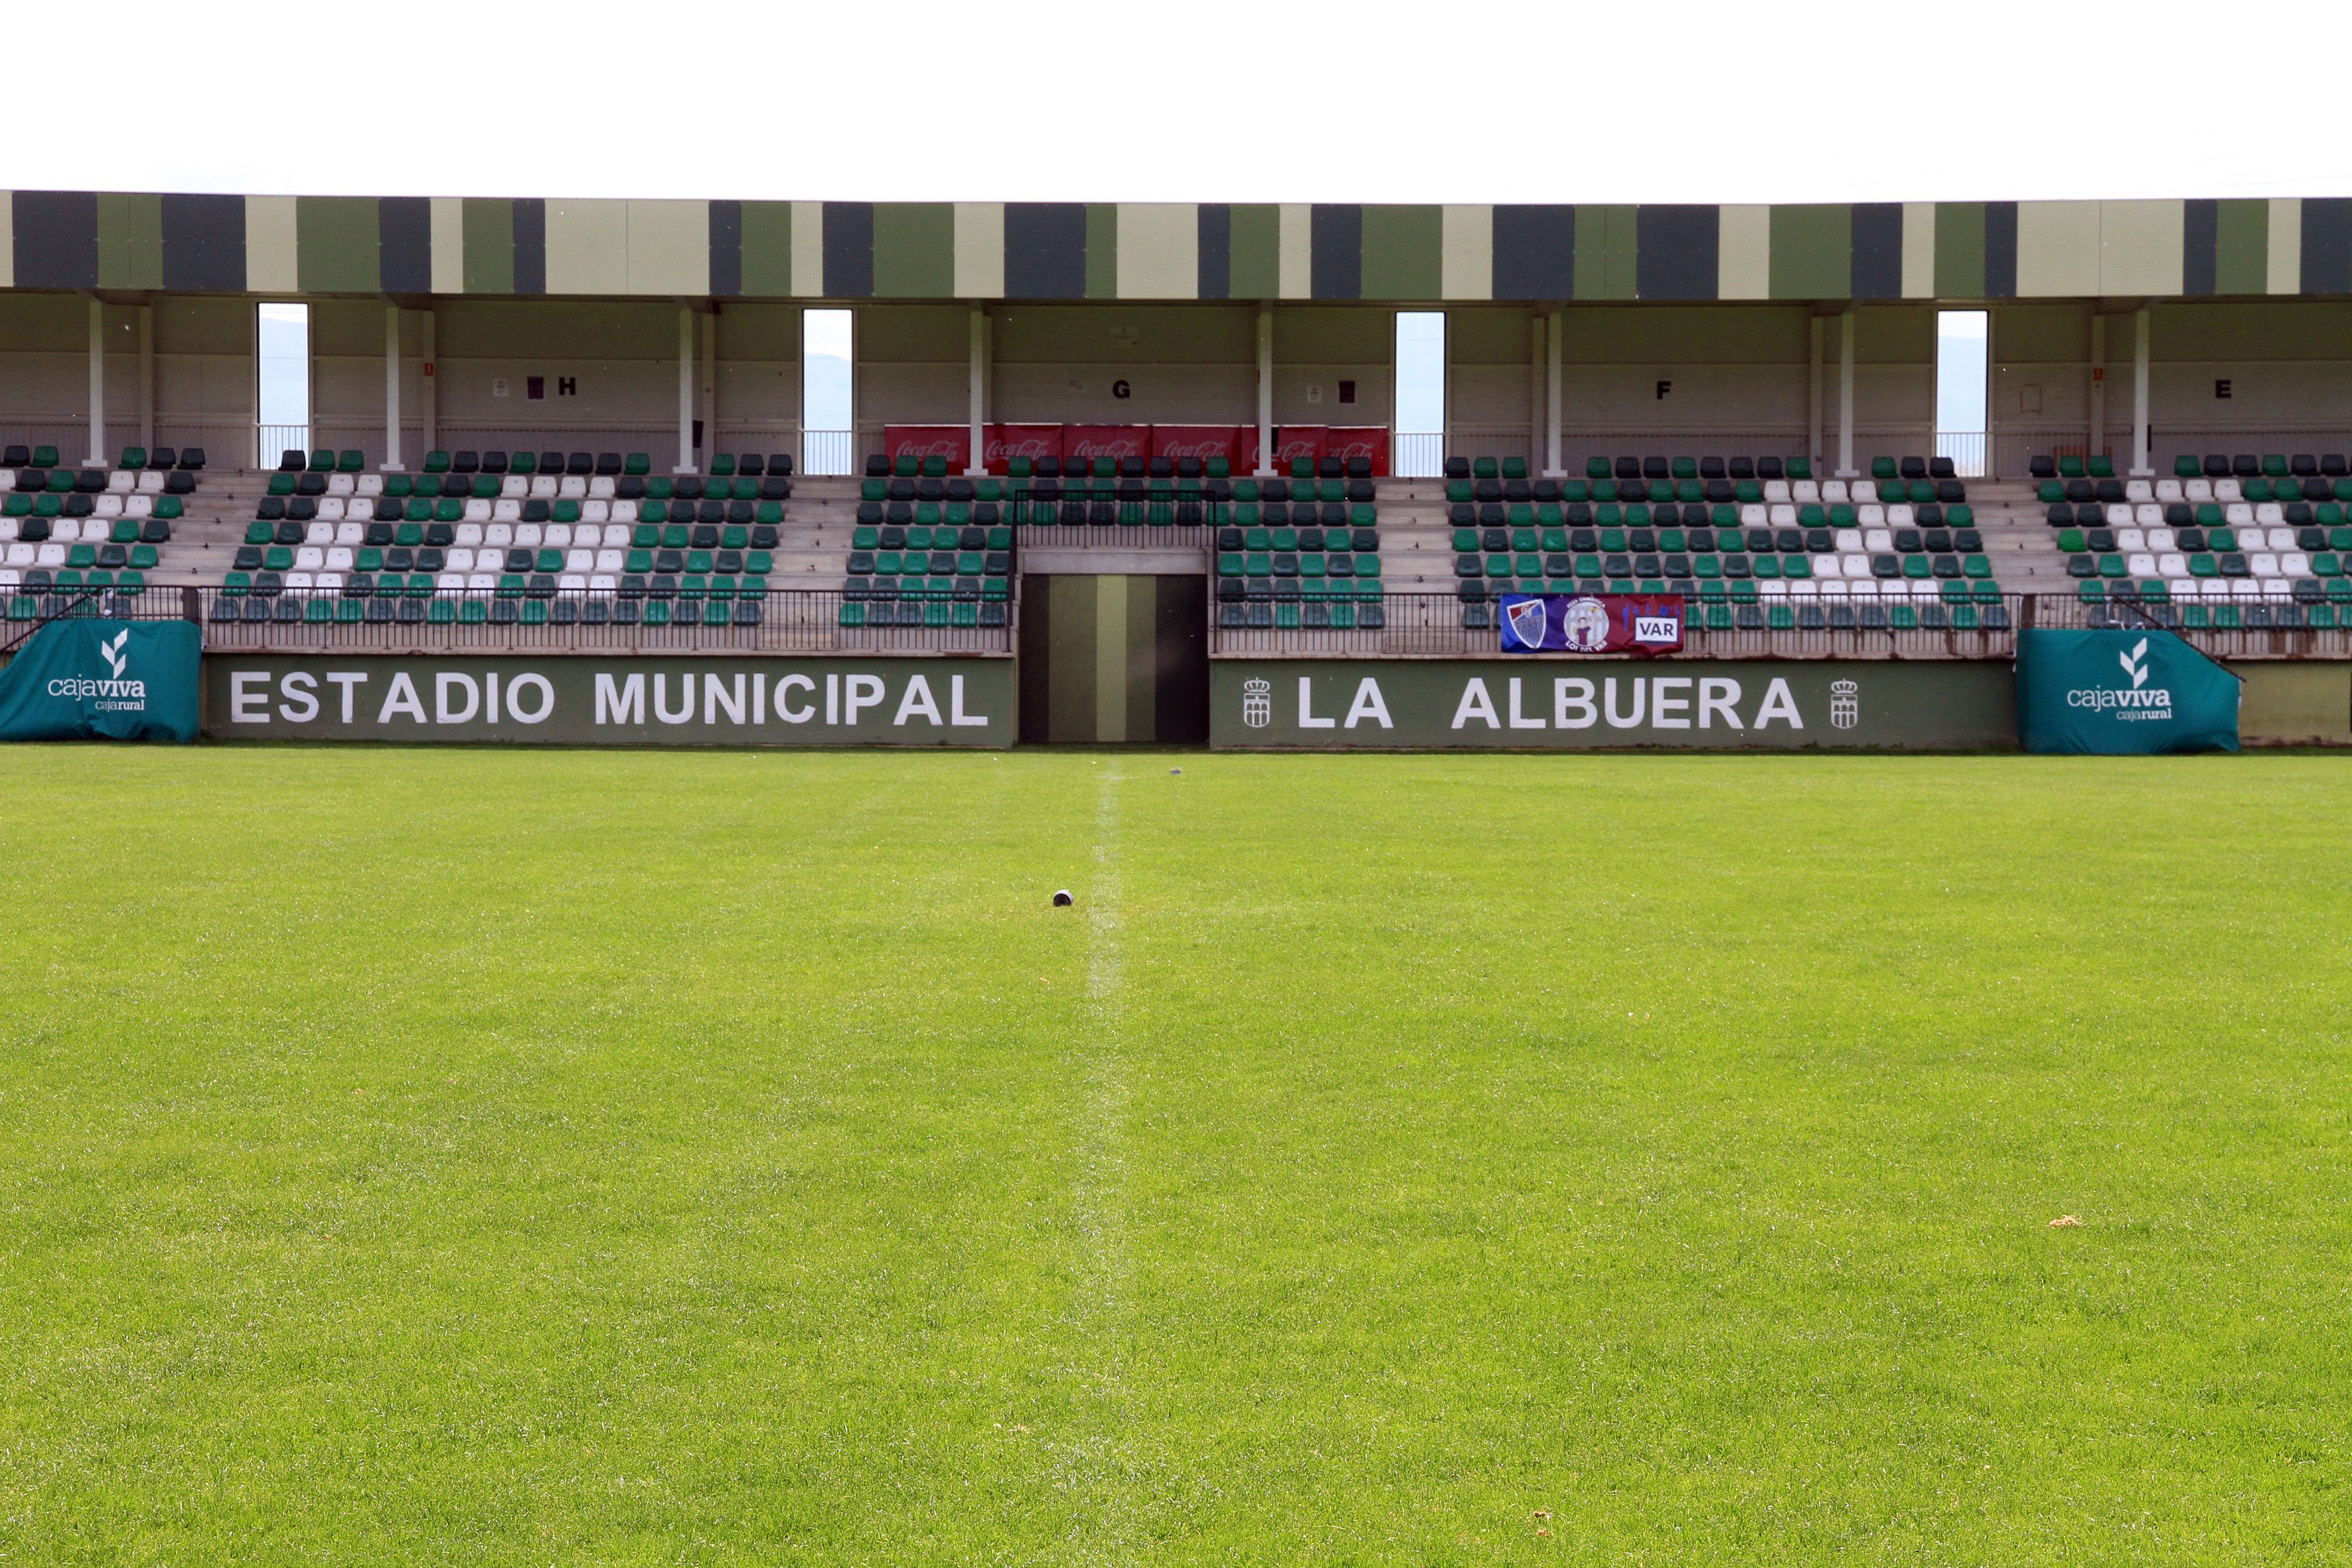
pixel 1513 253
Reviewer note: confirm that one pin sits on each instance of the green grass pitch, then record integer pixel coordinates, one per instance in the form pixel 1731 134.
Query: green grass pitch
pixel 500 1157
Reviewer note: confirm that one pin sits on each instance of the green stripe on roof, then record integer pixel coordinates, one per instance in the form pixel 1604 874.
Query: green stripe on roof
pixel 1256 252
pixel 1959 250
pixel 1813 252
pixel 1102 250
pixel 1604 252
pixel 914 250
pixel 336 244
pixel 1403 253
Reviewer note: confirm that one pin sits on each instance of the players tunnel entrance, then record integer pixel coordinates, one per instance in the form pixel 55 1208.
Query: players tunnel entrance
pixel 1114 658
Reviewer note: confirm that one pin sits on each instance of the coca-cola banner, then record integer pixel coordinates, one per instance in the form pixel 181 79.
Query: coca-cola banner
pixel 1592 623
pixel 1246 451
pixel 1091 441
pixel 1006 442
pixel 1349 442
pixel 1292 442
pixel 952 442
pixel 1202 441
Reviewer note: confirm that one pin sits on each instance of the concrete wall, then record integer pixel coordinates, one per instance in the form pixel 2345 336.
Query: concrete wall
pixel 2294 703
pixel 1123 364
pixel 1736 379
pixel 202 388
pixel 2288 363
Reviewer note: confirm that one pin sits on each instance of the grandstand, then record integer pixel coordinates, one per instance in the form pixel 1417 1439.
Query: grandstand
pixel 582 425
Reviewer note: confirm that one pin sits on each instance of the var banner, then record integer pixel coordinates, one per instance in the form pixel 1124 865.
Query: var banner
pixel 119 681
pixel 2116 693
pixel 617 702
pixel 1555 705
pixel 1592 623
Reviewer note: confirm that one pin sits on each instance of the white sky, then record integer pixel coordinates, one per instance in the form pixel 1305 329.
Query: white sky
pixel 1464 101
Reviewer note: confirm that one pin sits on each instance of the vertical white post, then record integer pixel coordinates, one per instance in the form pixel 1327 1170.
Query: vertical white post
pixel 709 381
pixel 1813 397
pixel 979 393
pixel 1553 324
pixel 426 344
pixel 1845 468
pixel 391 388
pixel 1264 391
pixel 685 464
pixel 98 459
pixel 1536 402
pixel 2140 467
pixel 2098 399
pixel 147 376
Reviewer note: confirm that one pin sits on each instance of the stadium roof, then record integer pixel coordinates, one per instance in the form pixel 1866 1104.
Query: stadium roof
pixel 999 250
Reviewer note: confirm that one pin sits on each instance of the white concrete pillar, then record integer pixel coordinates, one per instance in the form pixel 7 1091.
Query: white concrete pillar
pixel 99 457
pixel 1554 322
pixel 1813 396
pixel 1536 402
pixel 1265 391
pixel 709 386
pixel 979 393
pixel 685 464
pixel 2098 388
pixel 1845 468
pixel 2140 467
pixel 392 463
pixel 427 337
pixel 147 376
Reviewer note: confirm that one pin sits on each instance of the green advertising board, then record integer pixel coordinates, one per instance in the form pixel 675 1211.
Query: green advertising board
pixel 1576 704
pixel 625 701
pixel 2122 692
pixel 121 680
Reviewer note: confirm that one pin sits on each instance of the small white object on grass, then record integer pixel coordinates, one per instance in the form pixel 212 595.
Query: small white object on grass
pixel 1062 900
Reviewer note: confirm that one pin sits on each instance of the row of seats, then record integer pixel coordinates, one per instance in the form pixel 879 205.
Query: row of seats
pixel 461 559
pixel 352 461
pixel 51 556
pixel 1667 514
pixel 2192 538
pixel 2244 466
pixel 524 535
pixel 2192 492
pixel 268 584
pixel 562 610
pixel 2258 563
pixel 1729 540
pixel 518 487
pixel 331 509
pixel 21 511
pixel 73 582
pixel 1535 564
pixel 183 459
pixel 97 482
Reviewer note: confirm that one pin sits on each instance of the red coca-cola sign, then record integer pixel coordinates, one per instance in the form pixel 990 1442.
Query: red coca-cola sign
pixel 1349 442
pixel 1292 442
pixel 1006 442
pixel 1202 441
pixel 952 442
pixel 1092 441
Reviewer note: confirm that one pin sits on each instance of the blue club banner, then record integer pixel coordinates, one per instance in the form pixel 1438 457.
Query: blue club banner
pixel 119 681
pixel 1592 623
pixel 2122 692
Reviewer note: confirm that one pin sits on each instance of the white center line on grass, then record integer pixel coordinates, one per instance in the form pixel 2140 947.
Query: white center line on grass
pixel 1096 1466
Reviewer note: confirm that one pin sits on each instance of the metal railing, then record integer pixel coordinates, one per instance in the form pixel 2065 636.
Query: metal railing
pixel 829 451
pixel 1416 455
pixel 272 442
pixel 802 621
pixel 1966 448
pixel 1425 626
pixel 1401 626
